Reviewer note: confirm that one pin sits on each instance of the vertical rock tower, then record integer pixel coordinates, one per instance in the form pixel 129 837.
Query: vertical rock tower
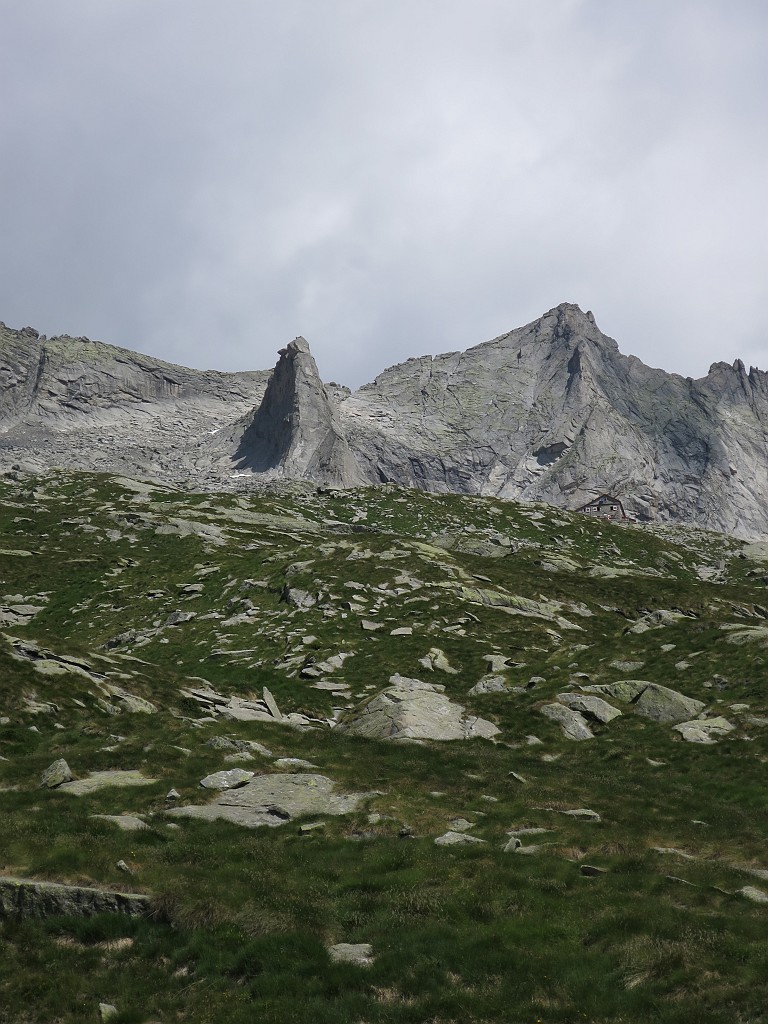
pixel 296 430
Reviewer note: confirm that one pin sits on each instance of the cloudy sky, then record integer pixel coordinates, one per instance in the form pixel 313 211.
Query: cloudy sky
pixel 205 179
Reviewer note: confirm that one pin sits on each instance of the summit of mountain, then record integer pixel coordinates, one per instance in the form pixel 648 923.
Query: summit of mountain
pixel 551 411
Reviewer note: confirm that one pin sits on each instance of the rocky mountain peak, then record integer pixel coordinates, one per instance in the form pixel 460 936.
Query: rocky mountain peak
pixel 296 430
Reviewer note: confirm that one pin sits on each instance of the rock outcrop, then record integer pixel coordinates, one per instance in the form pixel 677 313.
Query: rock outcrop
pixel 549 412
pixel 296 431
pixel 26 898
pixel 411 710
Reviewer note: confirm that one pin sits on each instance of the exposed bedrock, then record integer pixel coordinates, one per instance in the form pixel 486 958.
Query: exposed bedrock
pixel 551 411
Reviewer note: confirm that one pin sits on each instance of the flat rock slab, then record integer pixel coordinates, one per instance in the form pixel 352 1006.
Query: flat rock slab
pixel 231 778
pixel 25 898
pixel 749 892
pixel 358 953
pixel 706 731
pixel 104 780
pixel 127 822
pixel 457 839
pixel 411 709
pixel 273 800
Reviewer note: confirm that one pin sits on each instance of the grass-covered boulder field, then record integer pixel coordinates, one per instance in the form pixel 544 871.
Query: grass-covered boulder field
pixel 376 756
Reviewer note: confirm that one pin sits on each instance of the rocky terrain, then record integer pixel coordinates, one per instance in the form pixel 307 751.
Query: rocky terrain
pixel 373 755
pixel 549 412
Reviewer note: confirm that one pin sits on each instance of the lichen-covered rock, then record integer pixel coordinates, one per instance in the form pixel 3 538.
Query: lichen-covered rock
pixel 272 800
pixel 27 898
pixel 230 779
pixel 663 704
pixel 457 839
pixel 55 774
pixel 411 709
pixel 707 730
pixel 573 723
pixel 625 690
pixel 588 704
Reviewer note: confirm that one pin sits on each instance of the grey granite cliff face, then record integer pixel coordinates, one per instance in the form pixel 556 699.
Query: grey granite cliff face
pixel 296 431
pixel 551 411
pixel 86 405
pixel 554 412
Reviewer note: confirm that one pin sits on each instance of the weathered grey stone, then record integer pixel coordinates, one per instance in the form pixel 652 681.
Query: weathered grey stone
pixel 271 703
pixel 358 953
pixel 411 709
pixel 663 704
pixel 56 774
pixel 496 662
pixel 625 690
pixel 436 659
pixel 490 684
pixel 588 704
pixel 126 822
pixel 707 730
pixel 272 800
pixel 178 617
pixel 26 898
pixel 457 839
pixel 753 894
pixel 582 813
pixel 573 724
pixel 461 824
pixel 593 412
pixel 229 779
pixel 106 779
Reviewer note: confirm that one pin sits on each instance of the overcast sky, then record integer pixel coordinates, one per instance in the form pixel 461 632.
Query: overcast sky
pixel 203 180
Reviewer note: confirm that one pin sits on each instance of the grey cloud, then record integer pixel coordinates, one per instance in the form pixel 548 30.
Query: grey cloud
pixel 205 181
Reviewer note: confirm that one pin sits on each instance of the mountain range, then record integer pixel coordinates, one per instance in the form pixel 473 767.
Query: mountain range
pixel 549 412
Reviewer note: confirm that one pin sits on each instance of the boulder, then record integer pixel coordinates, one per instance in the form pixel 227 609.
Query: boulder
pixel 573 724
pixel 436 659
pixel 707 730
pixel 594 707
pixel 457 839
pixel 55 774
pixel 490 684
pixel 411 709
pixel 663 704
pixel 624 689
pixel 230 779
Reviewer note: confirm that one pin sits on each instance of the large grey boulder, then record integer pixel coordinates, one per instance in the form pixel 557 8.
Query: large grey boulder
pixel 625 690
pixel 573 723
pixel 409 709
pixel 272 800
pixel 663 704
pixel 26 898
pixel 594 707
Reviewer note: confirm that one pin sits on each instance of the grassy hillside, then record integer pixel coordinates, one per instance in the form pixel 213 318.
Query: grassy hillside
pixel 122 603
